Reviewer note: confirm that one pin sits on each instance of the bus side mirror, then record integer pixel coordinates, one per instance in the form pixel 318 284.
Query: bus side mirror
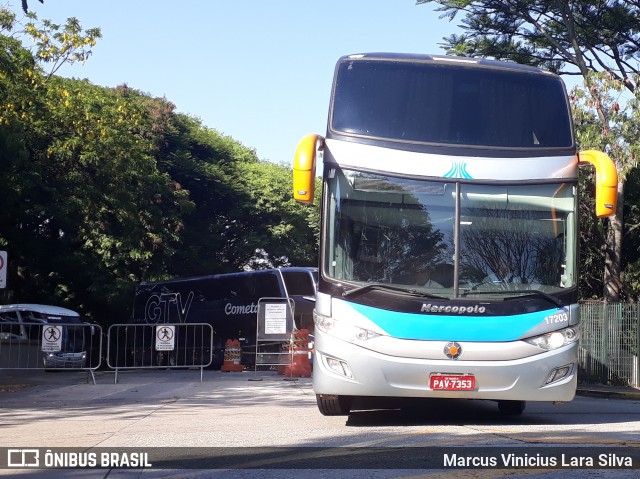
pixel 304 168
pixel 606 181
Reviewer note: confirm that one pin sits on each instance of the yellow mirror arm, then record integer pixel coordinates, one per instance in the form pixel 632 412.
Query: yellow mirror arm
pixel 606 181
pixel 304 168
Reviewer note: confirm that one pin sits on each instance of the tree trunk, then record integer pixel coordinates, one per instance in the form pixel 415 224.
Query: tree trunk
pixel 613 251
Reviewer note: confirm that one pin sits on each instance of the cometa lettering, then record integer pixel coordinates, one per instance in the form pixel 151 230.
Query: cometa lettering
pixel 240 309
pixel 429 308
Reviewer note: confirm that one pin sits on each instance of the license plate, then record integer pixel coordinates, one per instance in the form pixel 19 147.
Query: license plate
pixel 452 382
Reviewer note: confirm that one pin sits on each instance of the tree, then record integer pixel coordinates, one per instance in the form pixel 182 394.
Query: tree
pixel 619 139
pixel 105 187
pixel 567 37
pixel 85 210
pixel 242 215
pixel 59 44
pixel 279 230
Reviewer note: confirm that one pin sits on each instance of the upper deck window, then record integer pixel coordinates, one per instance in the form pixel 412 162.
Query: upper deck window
pixel 450 104
pixel 299 283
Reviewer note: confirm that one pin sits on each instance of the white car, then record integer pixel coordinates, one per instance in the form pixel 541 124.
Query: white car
pixel 24 327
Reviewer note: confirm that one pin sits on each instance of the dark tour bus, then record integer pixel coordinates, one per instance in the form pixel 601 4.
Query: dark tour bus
pixel 228 302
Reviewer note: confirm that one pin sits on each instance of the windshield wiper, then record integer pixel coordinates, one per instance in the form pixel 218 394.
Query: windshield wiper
pixel 390 289
pixel 537 292
pixel 521 293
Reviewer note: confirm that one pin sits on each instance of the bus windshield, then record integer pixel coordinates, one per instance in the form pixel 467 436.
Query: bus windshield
pixel 397 231
pixel 449 103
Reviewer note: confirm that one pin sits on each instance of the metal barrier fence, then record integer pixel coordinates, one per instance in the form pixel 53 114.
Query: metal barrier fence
pixel 151 346
pixel 608 349
pixel 50 346
pixel 609 343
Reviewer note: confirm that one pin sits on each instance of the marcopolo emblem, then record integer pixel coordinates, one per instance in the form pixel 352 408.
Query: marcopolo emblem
pixel 453 350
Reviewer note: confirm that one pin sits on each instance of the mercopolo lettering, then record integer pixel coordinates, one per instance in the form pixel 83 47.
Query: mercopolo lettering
pixel 429 308
pixel 240 309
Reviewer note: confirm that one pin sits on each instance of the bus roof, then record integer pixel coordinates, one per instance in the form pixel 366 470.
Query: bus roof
pixel 231 275
pixel 38 308
pixel 419 57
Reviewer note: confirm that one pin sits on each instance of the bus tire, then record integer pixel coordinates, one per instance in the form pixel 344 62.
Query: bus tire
pixel 511 408
pixel 333 405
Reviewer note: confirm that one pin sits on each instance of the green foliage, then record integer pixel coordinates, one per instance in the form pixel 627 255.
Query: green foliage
pixel 593 233
pixel 600 41
pixel 276 218
pixel 105 187
pixel 606 118
pixel 57 45
pixel 561 36
pixel 86 209
pixel 631 242
pixel 603 97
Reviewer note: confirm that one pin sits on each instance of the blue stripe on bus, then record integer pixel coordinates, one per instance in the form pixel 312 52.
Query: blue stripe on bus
pixel 452 327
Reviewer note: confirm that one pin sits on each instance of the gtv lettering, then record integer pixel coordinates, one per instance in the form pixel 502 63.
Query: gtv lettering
pixel 475 309
pixel 158 307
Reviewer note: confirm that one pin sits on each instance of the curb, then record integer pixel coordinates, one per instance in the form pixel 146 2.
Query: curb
pixel 603 393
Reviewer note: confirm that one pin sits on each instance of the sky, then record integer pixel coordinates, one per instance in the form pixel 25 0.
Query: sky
pixel 258 71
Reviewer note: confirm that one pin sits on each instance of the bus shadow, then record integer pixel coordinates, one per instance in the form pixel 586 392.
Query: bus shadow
pixel 458 412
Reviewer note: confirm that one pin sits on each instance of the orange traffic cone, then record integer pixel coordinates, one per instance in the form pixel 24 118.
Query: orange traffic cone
pixel 232 357
pixel 300 366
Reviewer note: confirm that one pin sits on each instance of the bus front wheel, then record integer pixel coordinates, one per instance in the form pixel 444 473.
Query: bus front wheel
pixel 333 405
pixel 511 408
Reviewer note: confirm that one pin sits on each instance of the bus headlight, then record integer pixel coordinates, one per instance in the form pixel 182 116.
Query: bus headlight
pixel 555 339
pixel 559 373
pixel 350 333
pixel 338 366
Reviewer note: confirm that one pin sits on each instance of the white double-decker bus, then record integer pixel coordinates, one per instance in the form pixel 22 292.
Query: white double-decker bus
pixel 448 263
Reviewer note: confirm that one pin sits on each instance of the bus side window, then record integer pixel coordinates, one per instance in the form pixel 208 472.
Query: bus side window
pixel 298 283
pixel 32 326
pixel 34 331
pixel 10 327
pixel 267 285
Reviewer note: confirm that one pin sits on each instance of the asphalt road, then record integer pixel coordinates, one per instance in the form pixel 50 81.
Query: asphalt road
pixel 272 428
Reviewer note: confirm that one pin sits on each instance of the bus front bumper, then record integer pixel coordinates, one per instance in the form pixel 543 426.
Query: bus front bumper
pixel 342 368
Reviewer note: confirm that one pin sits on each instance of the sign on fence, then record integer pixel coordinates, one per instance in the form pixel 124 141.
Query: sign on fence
pixel 70 346
pixel 143 346
pixel 274 332
pixel 165 338
pixel 51 338
pixel 275 319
